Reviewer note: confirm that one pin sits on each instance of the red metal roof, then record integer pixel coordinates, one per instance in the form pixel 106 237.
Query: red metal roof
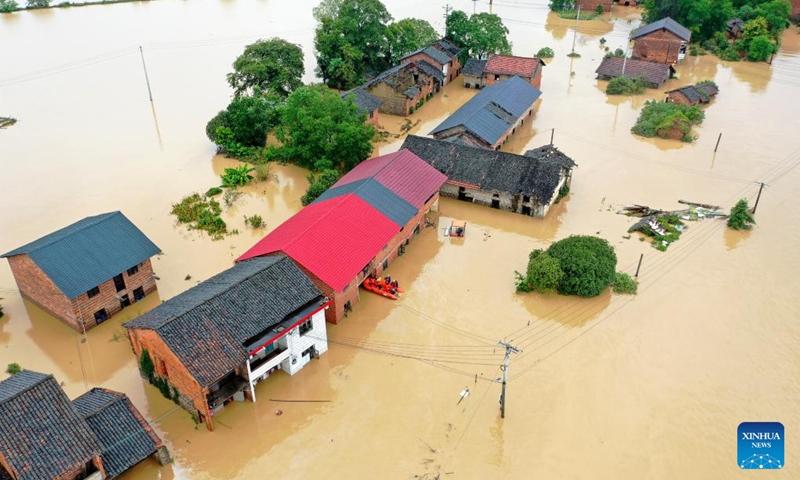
pixel 510 65
pixel 405 174
pixel 334 239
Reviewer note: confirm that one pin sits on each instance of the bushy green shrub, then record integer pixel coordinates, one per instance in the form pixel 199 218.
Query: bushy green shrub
pixel 543 274
pixel 660 119
pixel 599 10
pixel 13 369
pixel 741 218
pixel 620 53
pixel 237 177
pixel 588 264
pixel 213 191
pixel 545 52
pixel 201 214
pixel 254 221
pixel 318 183
pixel 625 86
pixel 624 283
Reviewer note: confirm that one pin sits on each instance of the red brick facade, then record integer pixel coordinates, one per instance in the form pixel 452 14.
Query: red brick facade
pixel 795 7
pixel 591 5
pixel 37 287
pixel 387 256
pixel 503 67
pixel 395 101
pixel 372 118
pixel 492 78
pixel 661 46
pixel 452 71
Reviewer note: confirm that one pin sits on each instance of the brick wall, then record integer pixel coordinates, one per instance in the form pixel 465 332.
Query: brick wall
pixel 107 298
pixel 193 395
pixel 661 46
pixel 395 101
pixel 472 81
pixel 373 118
pixel 37 287
pixel 536 80
pixel 795 6
pixel 591 5
pixel 679 98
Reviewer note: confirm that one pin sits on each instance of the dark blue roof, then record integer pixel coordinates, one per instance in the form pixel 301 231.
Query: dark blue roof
pixel 394 207
pixel 89 252
pixel 490 113
pixel 125 437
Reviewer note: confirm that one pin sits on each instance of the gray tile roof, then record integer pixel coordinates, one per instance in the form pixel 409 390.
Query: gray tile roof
pixel 654 73
pixel 125 436
pixel 535 174
pixel 430 69
pixel 89 252
pixel 365 101
pixel 42 436
pixel 480 114
pixel 474 67
pixel 666 23
pixel 376 194
pixel 444 54
pixel 207 326
pixel 447 46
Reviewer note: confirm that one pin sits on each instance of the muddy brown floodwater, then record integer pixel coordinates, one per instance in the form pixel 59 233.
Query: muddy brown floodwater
pixel 651 386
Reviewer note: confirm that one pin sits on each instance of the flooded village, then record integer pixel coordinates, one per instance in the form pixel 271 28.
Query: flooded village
pixel 652 385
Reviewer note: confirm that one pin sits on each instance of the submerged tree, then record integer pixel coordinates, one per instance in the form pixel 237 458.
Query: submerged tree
pixel 273 66
pixel 318 183
pixel 477 35
pixel 741 218
pixel 588 264
pixel 407 35
pixel 248 119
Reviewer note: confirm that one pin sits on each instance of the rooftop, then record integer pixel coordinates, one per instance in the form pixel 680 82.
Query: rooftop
pixel 365 101
pixel 208 325
pixel 510 65
pixel 474 67
pixel 653 73
pixel 489 114
pixel 667 24
pixel 89 252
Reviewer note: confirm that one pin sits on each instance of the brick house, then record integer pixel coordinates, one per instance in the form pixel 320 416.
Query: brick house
pixel 214 342
pixel 528 184
pixel 405 87
pixel 88 271
pixel 491 116
pixel 664 41
pixel 653 74
pixel 795 7
pixel 591 5
pixel 358 227
pixel 693 94
pixel 44 436
pixel 442 55
pixel 367 104
pixel 497 68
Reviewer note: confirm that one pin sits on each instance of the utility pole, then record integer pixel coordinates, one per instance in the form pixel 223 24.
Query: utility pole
pixel 146 78
pixel 552 135
pixel 577 20
pixel 474 6
pixel 490 6
pixel 758 198
pixel 509 349
pixel 625 61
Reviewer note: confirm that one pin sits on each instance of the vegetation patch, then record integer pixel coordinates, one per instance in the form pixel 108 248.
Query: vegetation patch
pixel 213 192
pixel 254 221
pixel 625 86
pixel 574 55
pixel 663 229
pixel 578 265
pixel 6 121
pixel 318 183
pixel 237 176
pixel 13 369
pixel 741 218
pixel 625 284
pixel 668 120
pixel 200 213
pixel 545 52
pixel 263 171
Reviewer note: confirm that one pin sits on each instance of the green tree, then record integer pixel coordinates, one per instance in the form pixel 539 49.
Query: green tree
pixel 776 13
pixel 318 183
pixel 561 5
pixel 38 3
pixel 624 283
pixel 588 264
pixel 407 35
pixel 319 131
pixel 544 273
pixel 741 218
pixel 702 17
pixel 7 6
pixel 274 66
pixel 479 35
pixel 248 118
pixel 760 49
pixel 350 40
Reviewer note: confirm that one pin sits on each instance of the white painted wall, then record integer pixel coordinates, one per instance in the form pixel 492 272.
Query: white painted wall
pixel 296 344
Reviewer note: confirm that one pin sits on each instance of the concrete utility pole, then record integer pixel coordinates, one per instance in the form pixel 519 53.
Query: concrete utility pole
pixel 146 78
pixel 758 197
pixel 447 10
pixel 509 348
pixel 577 21
pixel 490 6
pixel 625 61
pixel 474 6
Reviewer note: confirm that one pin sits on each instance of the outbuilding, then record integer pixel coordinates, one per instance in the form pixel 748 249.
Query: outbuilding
pixel 653 74
pixel 693 94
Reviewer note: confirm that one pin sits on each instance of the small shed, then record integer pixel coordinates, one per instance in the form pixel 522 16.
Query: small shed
pixel 663 41
pixel 693 94
pixel 654 74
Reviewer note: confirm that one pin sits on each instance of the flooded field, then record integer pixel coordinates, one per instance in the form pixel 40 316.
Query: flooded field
pixel 615 387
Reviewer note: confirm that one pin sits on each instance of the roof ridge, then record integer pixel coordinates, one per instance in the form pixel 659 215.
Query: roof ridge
pixel 107 215
pixel 117 397
pixel 209 281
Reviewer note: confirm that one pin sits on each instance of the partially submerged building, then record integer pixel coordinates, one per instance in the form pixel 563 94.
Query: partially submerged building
pixel 491 116
pixel 693 94
pixel 214 342
pixel 663 41
pixel 45 436
pixel 405 87
pixel 442 55
pixel 358 227
pixel 591 5
pixel 653 74
pixel 497 68
pixel 528 184
pixel 368 105
pixel 86 272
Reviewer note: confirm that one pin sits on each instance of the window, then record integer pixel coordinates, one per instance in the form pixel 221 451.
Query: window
pixel 526 198
pixel 119 283
pixel 497 77
pixel 133 270
pixel 385 264
pixel 306 327
pixel 100 316
pixel 138 294
pixel 309 351
pixel 372 114
pixel 95 291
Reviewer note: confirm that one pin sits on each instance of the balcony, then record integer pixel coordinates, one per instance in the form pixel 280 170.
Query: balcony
pixel 263 365
pixel 227 387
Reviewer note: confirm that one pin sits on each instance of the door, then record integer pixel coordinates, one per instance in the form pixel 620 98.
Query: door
pixel 119 283
pixel 125 301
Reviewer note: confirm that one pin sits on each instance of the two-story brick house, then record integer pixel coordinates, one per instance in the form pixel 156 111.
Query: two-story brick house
pixel 663 41
pixel 358 227
pixel 497 68
pixel 405 87
pixel 442 54
pixel 86 272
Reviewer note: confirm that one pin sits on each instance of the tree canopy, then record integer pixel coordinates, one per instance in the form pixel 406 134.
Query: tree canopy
pixel 741 218
pixel 274 66
pixel 478 35
pixel 407 35
pixel 350 40
pixel 319 131
pixel 248 119
pixel 588 264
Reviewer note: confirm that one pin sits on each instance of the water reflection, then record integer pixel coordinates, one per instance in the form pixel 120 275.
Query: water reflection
pixel 733 237
pixel 567 310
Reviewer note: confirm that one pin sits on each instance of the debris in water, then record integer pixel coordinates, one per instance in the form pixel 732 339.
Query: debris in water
pixel 7 122
pixel 665 227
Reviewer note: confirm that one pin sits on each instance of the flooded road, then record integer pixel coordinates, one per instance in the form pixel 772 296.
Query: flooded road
pixel 614 387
